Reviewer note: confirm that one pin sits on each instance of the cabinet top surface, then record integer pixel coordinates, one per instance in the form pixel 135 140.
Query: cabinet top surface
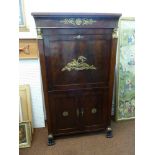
pixel 56 14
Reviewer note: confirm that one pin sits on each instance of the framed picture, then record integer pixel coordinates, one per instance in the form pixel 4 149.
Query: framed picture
pixel 20 111
pixel 25 135
pixel 26 104
pixel 22 18
pixel 125 71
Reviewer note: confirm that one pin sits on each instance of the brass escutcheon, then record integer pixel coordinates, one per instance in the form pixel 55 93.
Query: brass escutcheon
pixel 65 113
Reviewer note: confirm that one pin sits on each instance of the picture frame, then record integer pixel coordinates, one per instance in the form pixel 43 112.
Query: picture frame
pixel 20 111
pixel 26 104
pixel 28 49
pixel 125 70
pixel 25 134
pixel 22 18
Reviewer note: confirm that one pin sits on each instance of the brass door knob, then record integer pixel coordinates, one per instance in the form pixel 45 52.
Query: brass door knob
pixel 94 110
pixel 65 113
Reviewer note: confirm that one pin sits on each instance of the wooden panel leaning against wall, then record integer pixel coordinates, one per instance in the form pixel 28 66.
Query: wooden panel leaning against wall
pixel 28 49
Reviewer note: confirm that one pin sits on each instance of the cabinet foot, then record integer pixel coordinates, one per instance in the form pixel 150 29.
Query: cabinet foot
pixel 109 132
pixel 50 140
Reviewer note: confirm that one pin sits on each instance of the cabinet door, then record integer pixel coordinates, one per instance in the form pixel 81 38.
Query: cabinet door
pixel 64 110
pixel 93 107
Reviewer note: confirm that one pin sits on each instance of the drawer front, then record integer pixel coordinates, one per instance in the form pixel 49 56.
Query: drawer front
pixel 77 59
pixel 66 31
pixel 76 22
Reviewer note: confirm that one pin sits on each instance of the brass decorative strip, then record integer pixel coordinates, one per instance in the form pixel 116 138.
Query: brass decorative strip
pixel 78 64
pixel 78 21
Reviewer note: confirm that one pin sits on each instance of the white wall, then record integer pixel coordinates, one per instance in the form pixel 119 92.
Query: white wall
pixel 29 73
pixel 98 6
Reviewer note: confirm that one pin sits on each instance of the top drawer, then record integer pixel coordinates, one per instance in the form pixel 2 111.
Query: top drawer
pixel 67 31
pixel 76 20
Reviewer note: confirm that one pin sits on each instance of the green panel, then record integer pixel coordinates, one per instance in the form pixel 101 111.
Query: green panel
pixel 125 81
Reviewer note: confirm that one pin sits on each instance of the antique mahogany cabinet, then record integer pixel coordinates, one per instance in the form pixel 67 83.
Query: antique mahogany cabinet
pixel 77 56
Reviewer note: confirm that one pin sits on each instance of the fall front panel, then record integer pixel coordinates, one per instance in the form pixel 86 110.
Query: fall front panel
pixel 77 59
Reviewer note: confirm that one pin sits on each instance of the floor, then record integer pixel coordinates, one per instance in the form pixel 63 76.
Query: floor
pixel 123 142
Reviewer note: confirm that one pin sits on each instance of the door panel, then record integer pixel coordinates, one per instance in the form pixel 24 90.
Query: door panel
pixel 65 109
pixel 64 50
pixel 93 110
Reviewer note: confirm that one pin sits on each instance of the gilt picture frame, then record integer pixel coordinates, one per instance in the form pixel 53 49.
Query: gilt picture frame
pixel 25 135
pixel 125 71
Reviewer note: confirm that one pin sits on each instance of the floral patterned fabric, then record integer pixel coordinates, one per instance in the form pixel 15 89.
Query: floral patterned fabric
pixel 125 83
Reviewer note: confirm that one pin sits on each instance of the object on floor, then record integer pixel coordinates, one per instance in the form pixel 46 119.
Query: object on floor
pixel 25 134
pixel 25 104
pixel 77 55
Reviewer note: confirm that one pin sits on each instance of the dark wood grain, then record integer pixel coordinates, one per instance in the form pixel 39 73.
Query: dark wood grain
pixel 111 80
pixel 59 50
pixel 77 100
pixel 52 20
pixel 43 72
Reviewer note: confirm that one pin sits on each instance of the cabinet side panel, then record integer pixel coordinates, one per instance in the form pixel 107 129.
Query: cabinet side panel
pixel 111 76
pixel 43 72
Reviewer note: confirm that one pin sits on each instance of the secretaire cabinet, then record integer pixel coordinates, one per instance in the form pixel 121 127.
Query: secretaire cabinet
pixel 77 56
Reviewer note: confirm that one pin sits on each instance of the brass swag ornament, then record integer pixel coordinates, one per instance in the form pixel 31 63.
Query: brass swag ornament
pixel 78 64
pixel 78 21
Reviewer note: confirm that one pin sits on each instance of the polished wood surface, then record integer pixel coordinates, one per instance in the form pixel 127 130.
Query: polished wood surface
pixel 77 100
pixel 53 20
pixel 65 48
